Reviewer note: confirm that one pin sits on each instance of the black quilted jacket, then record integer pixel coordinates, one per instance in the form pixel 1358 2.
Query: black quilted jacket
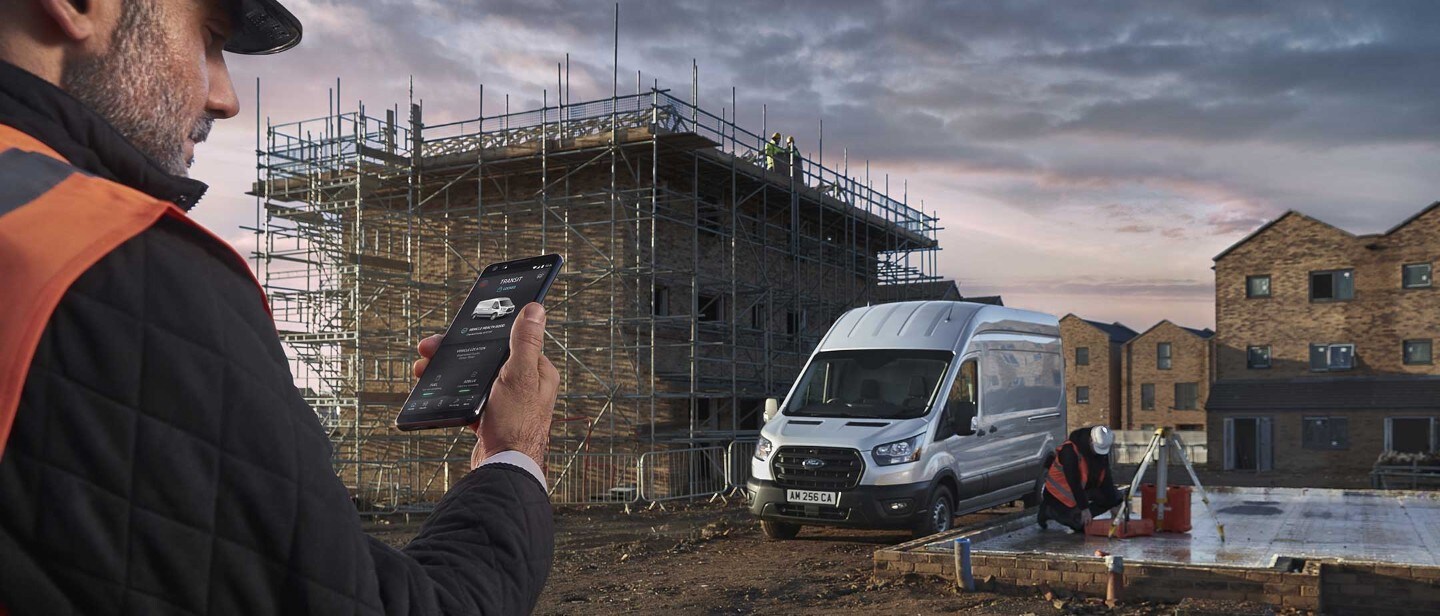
pixel 162 461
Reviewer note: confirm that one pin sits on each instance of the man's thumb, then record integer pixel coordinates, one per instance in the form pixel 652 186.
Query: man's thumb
pixel 528 335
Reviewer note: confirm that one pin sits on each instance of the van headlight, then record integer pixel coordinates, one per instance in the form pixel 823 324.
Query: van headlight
pixel 763 447
pixel 898 452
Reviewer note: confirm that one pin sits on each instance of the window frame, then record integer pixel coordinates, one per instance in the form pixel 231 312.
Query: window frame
pixel 1308 440
pixel 1269 290
pixel 1429 275
pixel 1143 387
pixel 1250 363
pixel 1429 352
pixel 1166 360
pixel 1079 399
pixel 1389 431
pixel 1329 357
pixel 1086 360
pixel 1335 276
pixel 1194 401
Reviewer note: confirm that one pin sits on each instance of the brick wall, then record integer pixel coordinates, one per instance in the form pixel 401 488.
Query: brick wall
pixel 1377 321
pixel 1324 586
pixel 1190 363
pixel 1101 375
pixel 1366 430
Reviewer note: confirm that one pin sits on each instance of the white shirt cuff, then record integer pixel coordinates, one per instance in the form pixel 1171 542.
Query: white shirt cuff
pixel 521 460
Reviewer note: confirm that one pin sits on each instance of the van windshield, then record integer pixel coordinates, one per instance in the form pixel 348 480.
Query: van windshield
pixel 878 383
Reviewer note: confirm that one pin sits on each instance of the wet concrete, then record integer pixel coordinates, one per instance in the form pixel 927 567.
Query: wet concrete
pixel 1261 525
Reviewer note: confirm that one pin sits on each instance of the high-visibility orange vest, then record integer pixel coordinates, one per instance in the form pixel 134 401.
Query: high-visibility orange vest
pixel 56 221
pixel 1055 482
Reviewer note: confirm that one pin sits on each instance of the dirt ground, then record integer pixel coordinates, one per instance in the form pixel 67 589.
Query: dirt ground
pixel 712 559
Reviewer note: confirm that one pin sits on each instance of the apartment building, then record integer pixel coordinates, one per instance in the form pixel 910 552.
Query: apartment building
pixel 1325 351
pixel 1093 351
pixel 1167 371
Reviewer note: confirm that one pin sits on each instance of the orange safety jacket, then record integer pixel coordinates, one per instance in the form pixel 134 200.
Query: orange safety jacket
pixel 1056 483
pixel 56 221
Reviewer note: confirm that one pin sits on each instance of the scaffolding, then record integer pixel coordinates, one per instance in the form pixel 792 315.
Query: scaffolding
pixel 699 274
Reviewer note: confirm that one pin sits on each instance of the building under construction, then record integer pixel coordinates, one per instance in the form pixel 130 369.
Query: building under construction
pixel 700 272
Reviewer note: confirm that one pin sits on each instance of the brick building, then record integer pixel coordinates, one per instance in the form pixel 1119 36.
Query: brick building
pixel 1094 393
pixel 1325 351
pixel 1167 377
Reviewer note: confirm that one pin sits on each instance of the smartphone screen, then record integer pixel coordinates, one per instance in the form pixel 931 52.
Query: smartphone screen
pixel 456 382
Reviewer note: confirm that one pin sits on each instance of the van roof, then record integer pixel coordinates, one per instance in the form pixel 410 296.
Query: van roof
pixel 929 325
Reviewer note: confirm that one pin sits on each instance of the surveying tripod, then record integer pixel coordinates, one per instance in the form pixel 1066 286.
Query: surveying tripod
pixel 1159 448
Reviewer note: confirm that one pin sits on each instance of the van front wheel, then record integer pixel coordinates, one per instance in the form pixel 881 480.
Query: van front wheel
pixel 776 530
pixel 938 515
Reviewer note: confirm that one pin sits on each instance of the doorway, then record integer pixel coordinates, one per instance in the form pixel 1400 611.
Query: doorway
pixel 1245 444
pixel 1248 444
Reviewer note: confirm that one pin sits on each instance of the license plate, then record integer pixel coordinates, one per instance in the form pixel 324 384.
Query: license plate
pixel 811 497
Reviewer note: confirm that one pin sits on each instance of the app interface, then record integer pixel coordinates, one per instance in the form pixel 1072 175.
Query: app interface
pixel 474 347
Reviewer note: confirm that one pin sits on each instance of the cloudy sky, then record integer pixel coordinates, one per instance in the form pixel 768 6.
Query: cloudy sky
pixel 1083 157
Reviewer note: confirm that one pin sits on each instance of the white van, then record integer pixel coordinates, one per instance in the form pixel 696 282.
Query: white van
pixel 911 413
pixel 493 308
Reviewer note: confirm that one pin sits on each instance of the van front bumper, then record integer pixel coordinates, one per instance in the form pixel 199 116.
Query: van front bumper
pixel 862 506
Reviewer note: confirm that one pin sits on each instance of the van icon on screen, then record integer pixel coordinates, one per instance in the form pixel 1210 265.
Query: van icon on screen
pixel 493 308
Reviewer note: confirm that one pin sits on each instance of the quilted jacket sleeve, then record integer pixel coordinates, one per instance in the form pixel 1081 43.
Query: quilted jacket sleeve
pixel 486 549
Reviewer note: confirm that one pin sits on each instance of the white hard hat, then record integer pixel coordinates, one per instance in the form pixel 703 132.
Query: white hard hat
pixel 1100 440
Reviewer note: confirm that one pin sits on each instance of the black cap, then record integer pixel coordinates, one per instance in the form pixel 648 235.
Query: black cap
pixel 262 27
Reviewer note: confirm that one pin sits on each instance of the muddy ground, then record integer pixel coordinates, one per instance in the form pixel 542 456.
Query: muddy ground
pixel 708 558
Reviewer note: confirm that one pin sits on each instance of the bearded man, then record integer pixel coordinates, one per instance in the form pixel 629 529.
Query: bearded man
pixel 155 454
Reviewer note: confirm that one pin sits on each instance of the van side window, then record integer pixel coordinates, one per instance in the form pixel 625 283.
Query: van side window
pixel 961 403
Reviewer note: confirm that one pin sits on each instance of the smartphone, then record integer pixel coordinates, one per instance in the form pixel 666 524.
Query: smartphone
pixel 453 389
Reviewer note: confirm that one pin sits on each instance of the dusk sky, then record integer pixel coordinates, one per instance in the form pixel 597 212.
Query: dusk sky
pixel 1083 157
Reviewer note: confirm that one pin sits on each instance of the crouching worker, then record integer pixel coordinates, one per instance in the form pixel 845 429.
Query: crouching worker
pixel 1078 482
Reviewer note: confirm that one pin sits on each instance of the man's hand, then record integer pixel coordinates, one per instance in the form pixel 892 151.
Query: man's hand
pixel 518 412
pixel 1085 517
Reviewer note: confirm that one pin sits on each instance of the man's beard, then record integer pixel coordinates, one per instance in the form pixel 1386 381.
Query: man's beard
pixel 129 86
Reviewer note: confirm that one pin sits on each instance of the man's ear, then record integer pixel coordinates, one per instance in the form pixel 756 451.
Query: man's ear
pixel 75 19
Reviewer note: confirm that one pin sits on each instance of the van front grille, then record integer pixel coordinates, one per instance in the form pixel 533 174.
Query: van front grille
pixel 815 512
pixel 839 469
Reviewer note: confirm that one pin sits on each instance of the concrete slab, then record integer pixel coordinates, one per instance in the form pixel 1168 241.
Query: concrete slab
pixel 1261 524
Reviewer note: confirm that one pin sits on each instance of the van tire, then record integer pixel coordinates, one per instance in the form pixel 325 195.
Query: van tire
pixel 939 514
pixel 776 530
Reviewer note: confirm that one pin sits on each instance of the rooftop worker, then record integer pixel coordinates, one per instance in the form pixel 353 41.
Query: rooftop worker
pixel 1078 482
pixel 772 151
pixel 155 454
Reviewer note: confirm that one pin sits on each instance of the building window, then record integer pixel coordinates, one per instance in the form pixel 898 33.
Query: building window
pixel 1257 357
pixel 1417 352
pixel 793 323
pixel 1162 355
pixel 1082 356
pixel 1191 427
pixel 757 316
pixel 1147 396
pixel 1147 427
pixel 1185 396
pixel 711 307
pixel 1082 395
pixel 662 301
pixel 1325 433
pixel 1410 434
pixel 1332 357
pixel 1257 286
pixel 1332 285
pixel 1415 275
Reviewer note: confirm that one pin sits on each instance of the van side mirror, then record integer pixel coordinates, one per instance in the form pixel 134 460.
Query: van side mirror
pixel 772 406
pixel 970 424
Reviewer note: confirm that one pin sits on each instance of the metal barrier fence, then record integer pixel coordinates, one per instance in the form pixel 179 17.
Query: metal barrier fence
pixel 593 478
pixel 682 473
pixel 737 463
pixel 651 477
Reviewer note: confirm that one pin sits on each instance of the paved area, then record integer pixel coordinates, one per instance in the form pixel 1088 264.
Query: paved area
pixel 1262 524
